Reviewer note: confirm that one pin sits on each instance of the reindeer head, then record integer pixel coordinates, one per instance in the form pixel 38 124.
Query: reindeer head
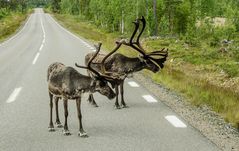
pixel 101 86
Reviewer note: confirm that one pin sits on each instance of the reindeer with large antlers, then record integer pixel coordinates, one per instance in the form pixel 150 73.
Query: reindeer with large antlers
pixel 67 83
pixel 120 64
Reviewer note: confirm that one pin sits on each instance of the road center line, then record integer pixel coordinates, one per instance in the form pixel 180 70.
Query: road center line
pixel 35 59
pixel 44 36
pixel 149 99
pixel 41 47
pixel 43 30
pixel 175 121
pixel 14 95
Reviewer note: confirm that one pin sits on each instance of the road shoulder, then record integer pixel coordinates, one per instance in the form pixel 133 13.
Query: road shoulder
pixel 209 123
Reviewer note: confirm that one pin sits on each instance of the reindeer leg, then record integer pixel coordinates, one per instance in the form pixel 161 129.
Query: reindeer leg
pixel 58 123
pixel 123 104
pixel 92 100
pixel 117 106
pixel 81 132
pixel 51 126
pixel 66 130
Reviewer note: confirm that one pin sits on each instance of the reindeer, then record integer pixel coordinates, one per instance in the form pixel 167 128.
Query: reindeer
pixel 67 83
pixel 120 64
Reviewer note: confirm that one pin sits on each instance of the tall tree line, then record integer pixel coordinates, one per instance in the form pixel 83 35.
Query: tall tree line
pixel 163 16
pixel 21 5
pixel 13 5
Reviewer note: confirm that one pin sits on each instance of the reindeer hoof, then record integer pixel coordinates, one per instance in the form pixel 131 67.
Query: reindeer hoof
pixel 66 132
pixel 51 129
pixel 94 105
pixel 58 125
pixel 117 107
pixel 124 106
pixel 83 134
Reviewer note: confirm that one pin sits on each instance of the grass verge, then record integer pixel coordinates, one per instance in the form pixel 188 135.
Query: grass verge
pixel 196 89
pixel 9 24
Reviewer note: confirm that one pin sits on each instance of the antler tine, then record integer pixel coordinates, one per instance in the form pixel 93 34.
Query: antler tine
pixel 161 52
pixel 142 30
pixel 136 23
pixel 79 66
pixel 90 61
pixel 93 57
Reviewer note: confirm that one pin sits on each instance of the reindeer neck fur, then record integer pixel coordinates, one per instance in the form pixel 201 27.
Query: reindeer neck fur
pixel 68 82
pixel 122 64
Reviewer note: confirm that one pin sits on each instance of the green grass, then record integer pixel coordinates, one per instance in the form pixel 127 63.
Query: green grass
pixel 200 92
pixel 10 23
pixel 175 76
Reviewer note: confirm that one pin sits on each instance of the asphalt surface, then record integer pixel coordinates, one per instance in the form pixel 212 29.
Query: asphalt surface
pixel 24 102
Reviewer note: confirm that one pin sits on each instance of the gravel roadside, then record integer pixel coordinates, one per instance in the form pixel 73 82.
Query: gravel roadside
pixel 209 123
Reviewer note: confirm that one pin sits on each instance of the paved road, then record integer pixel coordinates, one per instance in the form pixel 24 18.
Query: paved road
pixel 148 125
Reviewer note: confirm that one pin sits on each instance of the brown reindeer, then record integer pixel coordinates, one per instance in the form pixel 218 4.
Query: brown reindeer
pixel 120 64
pixel 67 83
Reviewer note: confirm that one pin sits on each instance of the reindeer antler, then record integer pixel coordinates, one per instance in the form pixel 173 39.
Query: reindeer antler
pixel 132 44
pixel 90 61
pixel 137 46
pixel 142 30
pixel 118 44
pixel 114 76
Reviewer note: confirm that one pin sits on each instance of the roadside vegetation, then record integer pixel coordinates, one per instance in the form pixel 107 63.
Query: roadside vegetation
pixel 12 16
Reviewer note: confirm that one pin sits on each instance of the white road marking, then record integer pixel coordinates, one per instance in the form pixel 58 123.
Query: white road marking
pixel 133 84
pixel 44 36
pixel 175 121
pixel 41 47
pixel 149 99
pixel 14 95
pixel 43 30
pixel 35 59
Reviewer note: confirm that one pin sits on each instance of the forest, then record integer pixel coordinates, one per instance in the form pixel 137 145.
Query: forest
pixel 190 20
pixel 164 17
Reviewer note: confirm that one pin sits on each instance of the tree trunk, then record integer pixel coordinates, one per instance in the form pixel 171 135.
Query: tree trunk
pixel 122 22
pixel 155 18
